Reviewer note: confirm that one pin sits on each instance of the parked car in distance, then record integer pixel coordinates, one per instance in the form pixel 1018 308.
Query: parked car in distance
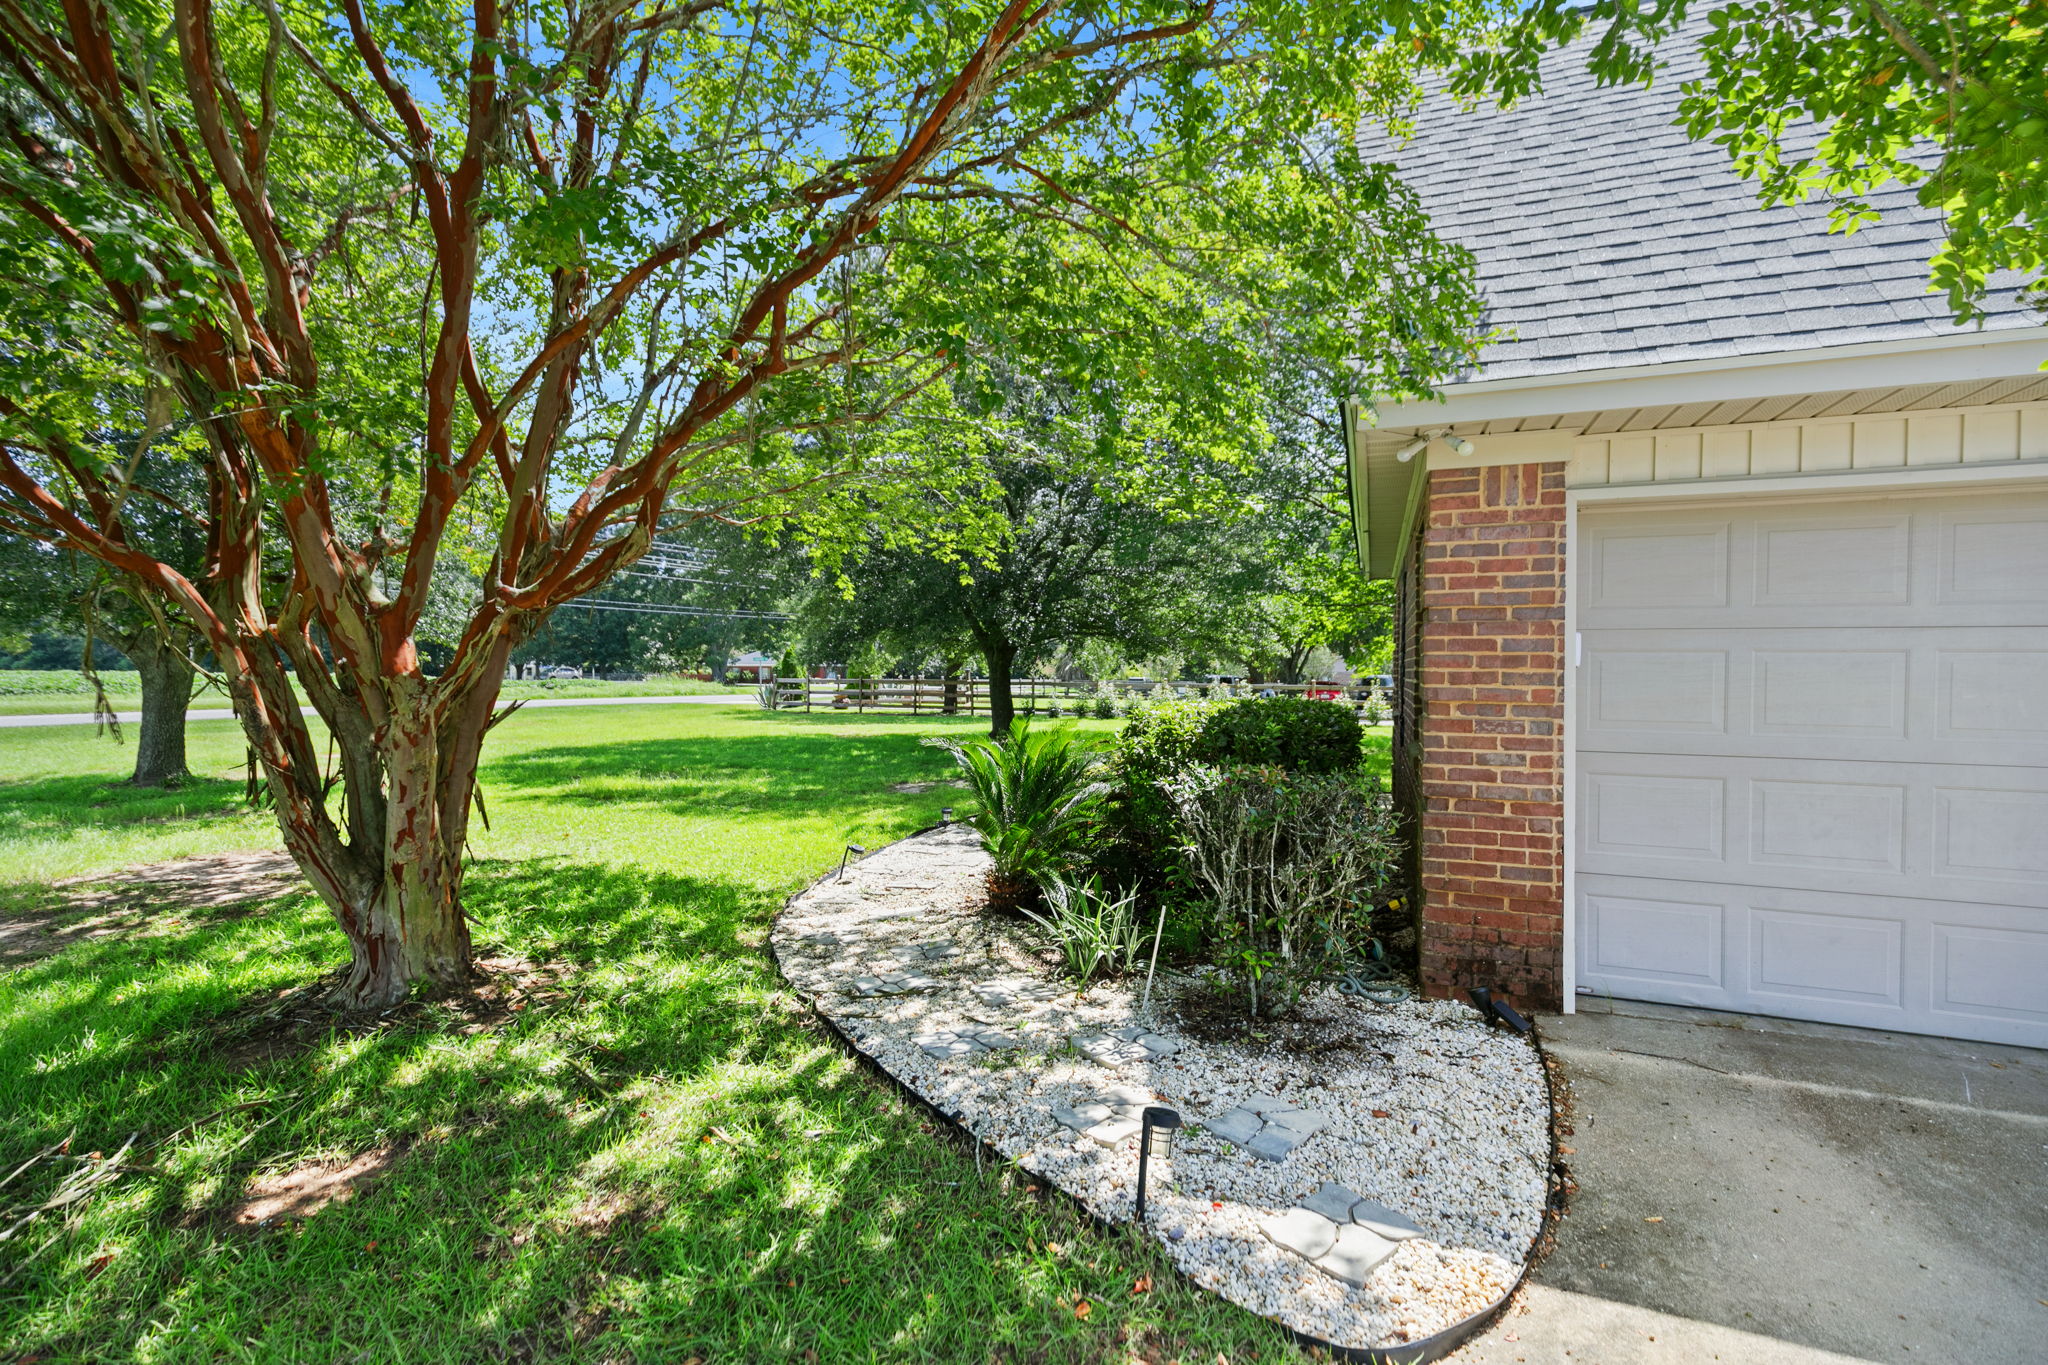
pixel 564 672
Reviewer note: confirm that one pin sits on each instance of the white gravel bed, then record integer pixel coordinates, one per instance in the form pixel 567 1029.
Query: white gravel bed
pixel 1432 1112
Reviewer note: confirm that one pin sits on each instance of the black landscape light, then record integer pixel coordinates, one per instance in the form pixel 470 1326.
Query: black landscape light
pixel 851 849
pixel 945 815
pixel 1483 1000
pixel 1155 1138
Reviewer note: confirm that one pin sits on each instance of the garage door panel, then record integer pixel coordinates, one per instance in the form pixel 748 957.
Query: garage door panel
pixel 1965 694
pixel 1807 692
pixel 1658 940
pixel 1891 962
pixel 1827 957
pixel 1634 691
pixel 1658 567
pixel 1983 972
pixel 1996 834
pixel 1654 815
pixel 1835 561
pixel 1993 695
pixel 1829 826
pixel 1992 555
pixel 1934 560
pixel 1811 759
pixel 1934 830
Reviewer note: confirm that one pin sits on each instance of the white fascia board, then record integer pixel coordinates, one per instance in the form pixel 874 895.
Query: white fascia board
pixel 1884 364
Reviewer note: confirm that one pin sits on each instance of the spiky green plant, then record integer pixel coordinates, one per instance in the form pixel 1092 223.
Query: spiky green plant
pixel 1095 930
pixel 1034 791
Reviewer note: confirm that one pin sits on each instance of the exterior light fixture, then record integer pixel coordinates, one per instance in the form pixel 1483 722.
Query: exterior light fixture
pixel 1483 1000
pixel 1155 1138
pixel 851 850
pixel 945 815
pixel 1458 444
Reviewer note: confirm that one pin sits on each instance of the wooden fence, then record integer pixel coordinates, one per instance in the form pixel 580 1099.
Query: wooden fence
pixel 1032 696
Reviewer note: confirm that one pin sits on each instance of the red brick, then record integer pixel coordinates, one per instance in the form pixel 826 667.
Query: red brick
pixel 1492 728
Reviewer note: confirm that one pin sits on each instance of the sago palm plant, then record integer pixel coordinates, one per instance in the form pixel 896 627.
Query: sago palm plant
pixel 1034 793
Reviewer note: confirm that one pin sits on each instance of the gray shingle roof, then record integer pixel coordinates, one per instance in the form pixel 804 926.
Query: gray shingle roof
pixel 1605 237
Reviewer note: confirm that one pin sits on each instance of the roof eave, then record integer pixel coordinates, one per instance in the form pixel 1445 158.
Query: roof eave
pixel 2004 353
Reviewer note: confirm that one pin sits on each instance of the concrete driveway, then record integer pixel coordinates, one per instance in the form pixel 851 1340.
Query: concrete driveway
pixel 1774 1193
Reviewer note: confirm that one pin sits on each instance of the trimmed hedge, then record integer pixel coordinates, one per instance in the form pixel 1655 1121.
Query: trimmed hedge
pixel 1297 734
pixel 1164 740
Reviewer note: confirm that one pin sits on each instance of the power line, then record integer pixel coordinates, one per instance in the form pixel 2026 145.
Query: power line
pixel 668 609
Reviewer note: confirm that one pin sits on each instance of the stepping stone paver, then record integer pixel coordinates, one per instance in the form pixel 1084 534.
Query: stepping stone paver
pixel 1236 1126
pixel 1268 1127
pixel 1378 1218
pixel 1332 1201
pixel 1355 1255
pixel 1340 1231
pixel 1271 1144
pixel 1113 1131
pixel 1108 1118
pixel 1305 1233
pixel 948 1042
pixel 1124 1046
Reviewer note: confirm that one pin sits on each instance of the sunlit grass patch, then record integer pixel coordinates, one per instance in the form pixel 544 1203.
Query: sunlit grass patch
pixel 657 1157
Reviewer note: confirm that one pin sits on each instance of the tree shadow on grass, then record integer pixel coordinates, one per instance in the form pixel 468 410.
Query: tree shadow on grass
pixel 47 805
pixel 666 1161
pixel 817 774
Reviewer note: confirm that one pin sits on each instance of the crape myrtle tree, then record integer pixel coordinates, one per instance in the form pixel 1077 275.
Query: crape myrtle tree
pixel 527 285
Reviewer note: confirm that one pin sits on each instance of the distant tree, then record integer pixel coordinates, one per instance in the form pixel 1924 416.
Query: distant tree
pixel 89 600
pixel 1086 552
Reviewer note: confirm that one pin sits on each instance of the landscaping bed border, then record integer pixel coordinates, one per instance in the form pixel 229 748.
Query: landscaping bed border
pixel 1429 1348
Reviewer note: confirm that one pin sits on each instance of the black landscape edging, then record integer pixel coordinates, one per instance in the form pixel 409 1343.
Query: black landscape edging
pixel 1429 1348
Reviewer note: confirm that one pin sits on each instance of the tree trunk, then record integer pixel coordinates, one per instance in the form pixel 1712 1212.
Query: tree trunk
pixel 1001 657
pixel 392 873
pixel 952 679
pixel 166 691
pixel 408 930
pixel 718 660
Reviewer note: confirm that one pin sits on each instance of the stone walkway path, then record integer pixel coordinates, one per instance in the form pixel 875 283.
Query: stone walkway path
pixel 1373 1187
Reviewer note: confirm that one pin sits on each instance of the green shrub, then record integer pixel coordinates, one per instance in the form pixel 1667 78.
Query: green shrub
pixel 1036 792
pixel 1167 738
pixel 1295 733
pixel 1290 864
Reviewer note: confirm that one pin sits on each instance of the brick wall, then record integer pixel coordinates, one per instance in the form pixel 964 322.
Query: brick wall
pixel 1493 731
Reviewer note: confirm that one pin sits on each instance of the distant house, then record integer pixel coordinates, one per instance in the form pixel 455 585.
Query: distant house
pixel 1724 592
pixel 755 667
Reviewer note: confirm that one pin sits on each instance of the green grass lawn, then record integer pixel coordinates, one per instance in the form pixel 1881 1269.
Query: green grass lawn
pixel 668 1161
pixel 31 692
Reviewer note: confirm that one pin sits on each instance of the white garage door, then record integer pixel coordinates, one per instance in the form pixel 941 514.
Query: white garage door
pixel 1812 759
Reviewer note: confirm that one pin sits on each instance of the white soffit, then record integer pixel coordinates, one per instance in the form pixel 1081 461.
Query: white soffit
pixel 1704 392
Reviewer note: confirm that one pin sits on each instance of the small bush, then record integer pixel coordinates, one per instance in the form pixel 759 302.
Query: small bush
pixel 1295 733
pixel 1291 863
pixel 1168 737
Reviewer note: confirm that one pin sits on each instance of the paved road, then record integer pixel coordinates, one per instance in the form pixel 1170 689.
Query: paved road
pixel 1762 1192
pixel 222 713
